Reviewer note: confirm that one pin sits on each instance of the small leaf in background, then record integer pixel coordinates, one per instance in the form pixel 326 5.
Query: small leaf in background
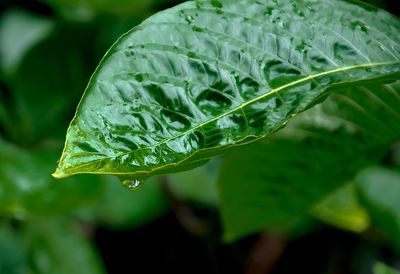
pixel 190 83
pixel 19 32
pixel 396 155
pixel 27 188
pixel 56 245
pixel 379 191
pixel 84 10
pixel 381 268
pixel 342 209
pixel 13 260
pixel 48 83
pixel 282 176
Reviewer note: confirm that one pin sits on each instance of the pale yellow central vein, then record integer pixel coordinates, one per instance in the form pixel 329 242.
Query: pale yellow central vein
pixel 276 91
pixel 310 77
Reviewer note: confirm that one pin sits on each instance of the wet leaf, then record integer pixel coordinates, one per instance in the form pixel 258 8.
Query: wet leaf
pixel 194 81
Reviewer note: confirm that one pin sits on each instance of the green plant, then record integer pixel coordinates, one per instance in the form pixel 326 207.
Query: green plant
pixel 196 81
pixel 301 98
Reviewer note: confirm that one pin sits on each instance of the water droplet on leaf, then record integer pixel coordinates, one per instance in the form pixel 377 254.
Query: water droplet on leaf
pixel 189 19
pixel 132 184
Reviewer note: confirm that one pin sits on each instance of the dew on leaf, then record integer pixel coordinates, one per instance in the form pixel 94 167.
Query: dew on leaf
pixel 132 184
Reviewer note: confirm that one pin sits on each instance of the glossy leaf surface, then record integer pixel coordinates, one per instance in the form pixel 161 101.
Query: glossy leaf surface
pixel 379 190
pixel 271 182
pixel 195 80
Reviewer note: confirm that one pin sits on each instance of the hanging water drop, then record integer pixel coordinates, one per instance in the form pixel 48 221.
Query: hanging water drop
pixel 132 184
pixel 189 19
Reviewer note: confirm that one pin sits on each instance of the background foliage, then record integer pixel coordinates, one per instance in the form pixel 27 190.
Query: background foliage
pixel 91 224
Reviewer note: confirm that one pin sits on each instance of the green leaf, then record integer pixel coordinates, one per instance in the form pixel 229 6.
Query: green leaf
pixel 12 257
pixel 57 245
pixel 19 32
pixel 273 181
pixel 84 10
pixel 47 83
pixel 197 185
pixel 381 268
pixel 396 155
pixel 26 188
pixel 342 209
pixel 379 190
pixel 196 80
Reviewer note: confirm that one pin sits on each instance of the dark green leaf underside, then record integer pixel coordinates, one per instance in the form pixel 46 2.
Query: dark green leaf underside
pixel 195 80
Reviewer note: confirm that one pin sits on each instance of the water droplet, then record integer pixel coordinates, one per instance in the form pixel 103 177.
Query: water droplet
pixel 132 184
pixel 189 19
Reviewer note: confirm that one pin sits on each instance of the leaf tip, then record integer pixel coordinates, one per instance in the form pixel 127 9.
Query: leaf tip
pixel 56 175
pixel 59 174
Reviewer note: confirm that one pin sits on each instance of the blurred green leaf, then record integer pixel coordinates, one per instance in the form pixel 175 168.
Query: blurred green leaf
pixel 381 268
pixel 198 185
pixel 119 208
pixel 189 83
pixel 378 3
pixel 48 83
pixel 5 117
pixel 282 176
pixel 27 188
pixel 19 32
pixel 57 245
pixel 396 155
pixel 342 209
pixel 110 28
pixel 379 190
pixel 12 257
pixel 84 10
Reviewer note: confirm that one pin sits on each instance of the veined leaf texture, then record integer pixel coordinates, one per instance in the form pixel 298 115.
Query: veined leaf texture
pixel 194 81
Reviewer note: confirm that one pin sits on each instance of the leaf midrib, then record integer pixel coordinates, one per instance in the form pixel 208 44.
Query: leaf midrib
pixel 273 91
